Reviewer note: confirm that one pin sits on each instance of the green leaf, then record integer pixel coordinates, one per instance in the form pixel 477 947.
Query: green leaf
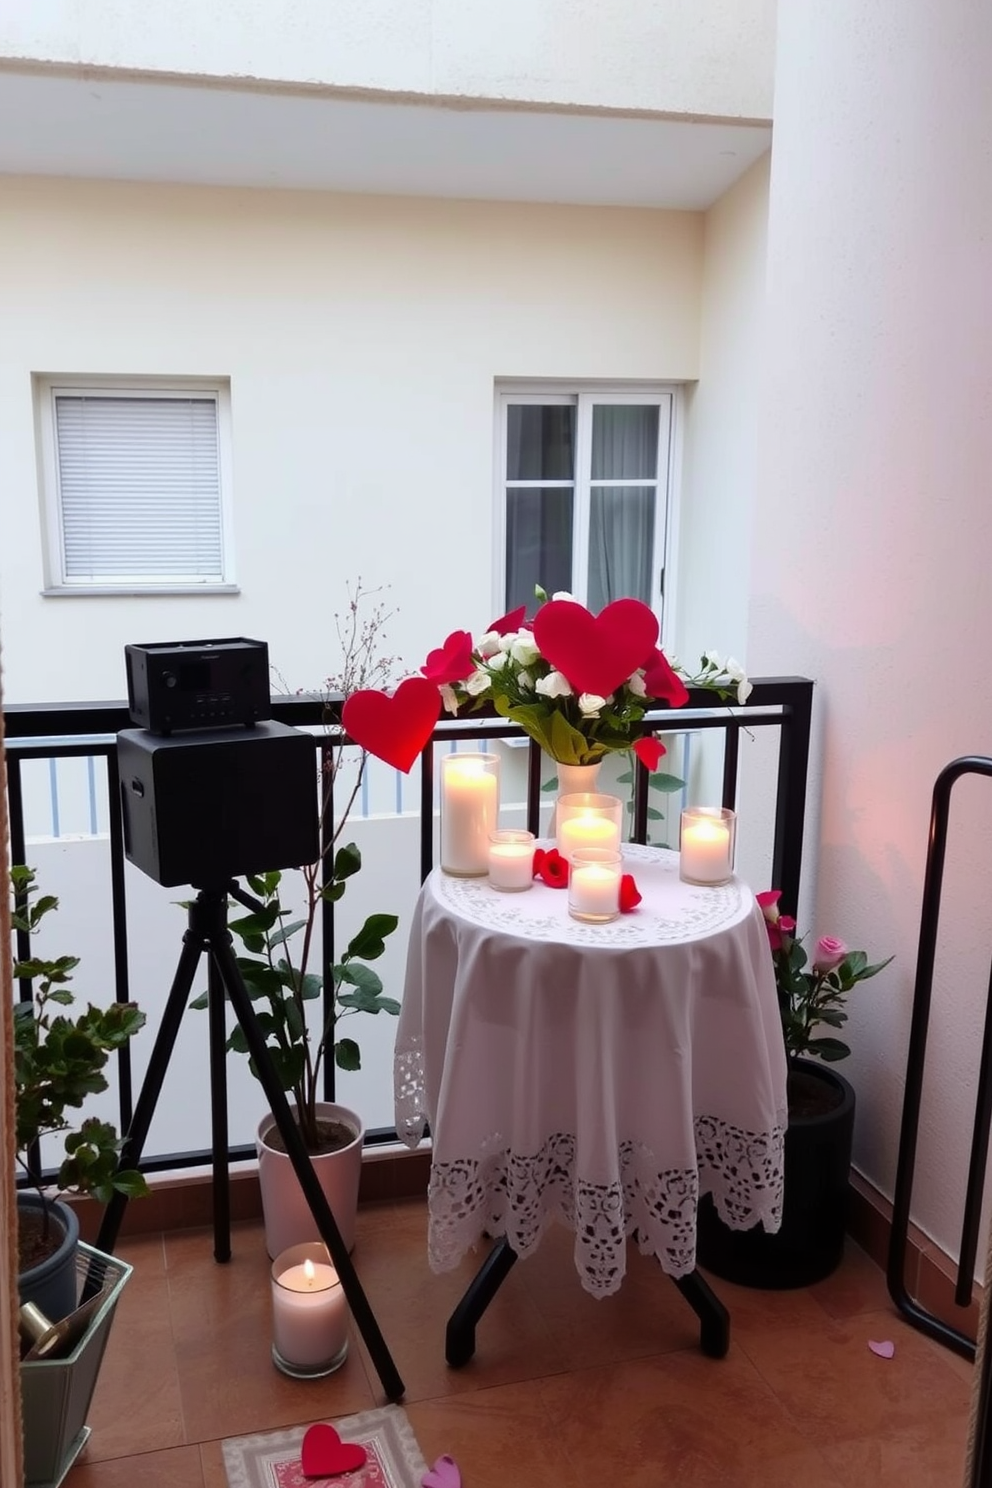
pixel 829 1049
pixel 200 1002
pixel 661 781
pixel 332 892
pixel 280 936
pixel 347 1055
pixel 347 861
pixel 355 974
pixel 369 942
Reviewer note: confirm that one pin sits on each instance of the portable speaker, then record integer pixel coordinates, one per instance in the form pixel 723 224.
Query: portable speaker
pixel 207 807
pixel 176 685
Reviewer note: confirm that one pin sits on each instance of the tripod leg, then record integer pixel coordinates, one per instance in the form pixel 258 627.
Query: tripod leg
pixel 151 1086
pixel 320 1209
pixel 218 1113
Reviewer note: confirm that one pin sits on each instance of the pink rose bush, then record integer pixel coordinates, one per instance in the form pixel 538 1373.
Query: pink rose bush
pixel 811 994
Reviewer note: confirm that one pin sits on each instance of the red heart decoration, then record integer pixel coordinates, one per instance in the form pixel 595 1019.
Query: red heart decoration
pixel 324 1454
pixel 663 682
pixel 597 653
pixel 451 662
pixel 396 728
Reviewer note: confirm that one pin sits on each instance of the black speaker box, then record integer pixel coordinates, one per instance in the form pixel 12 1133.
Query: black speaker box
pixel 203 808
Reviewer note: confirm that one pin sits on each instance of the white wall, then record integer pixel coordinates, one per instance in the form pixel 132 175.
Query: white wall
pixel 362 337
pixel 872 517
pixel 710 58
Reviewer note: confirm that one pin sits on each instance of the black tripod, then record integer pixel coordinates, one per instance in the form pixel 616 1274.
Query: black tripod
pixel 207 931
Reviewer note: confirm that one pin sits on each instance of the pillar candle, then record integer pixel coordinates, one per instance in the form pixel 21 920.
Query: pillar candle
pixel 309 1312
pixel 469 806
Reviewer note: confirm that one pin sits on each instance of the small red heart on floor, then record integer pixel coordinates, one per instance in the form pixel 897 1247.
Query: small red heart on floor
pixel 394 729
pixel 884 1349
pixel 324 1454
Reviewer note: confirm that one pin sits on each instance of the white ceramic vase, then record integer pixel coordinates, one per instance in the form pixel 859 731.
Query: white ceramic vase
pixel 287 1216
pixel 572 778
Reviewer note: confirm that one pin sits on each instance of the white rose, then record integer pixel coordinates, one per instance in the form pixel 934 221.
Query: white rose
pixel 498 662
pixel 744 691
pixel 523 650
pixel 525 681
pixel 735 670
pixel 488 644
pixel 448 697
pixel 590 703
pixel 635 683
pixel 712 659
pixel 553 685
pixel 477 683
pixel 564 594
pixel 506 641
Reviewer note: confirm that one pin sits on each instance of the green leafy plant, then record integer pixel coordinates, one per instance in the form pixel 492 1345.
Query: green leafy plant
pixel 59 1061
pixel 811 994
pixel 285 985
pixel 280 932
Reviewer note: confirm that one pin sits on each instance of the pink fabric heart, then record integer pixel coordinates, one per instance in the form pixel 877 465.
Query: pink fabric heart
pixel 884 1349
pixel 444 1474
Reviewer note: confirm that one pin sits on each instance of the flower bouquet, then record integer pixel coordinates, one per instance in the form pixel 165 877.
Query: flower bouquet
pixel 578 684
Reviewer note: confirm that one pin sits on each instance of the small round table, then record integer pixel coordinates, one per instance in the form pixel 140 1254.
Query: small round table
pixel 601 1076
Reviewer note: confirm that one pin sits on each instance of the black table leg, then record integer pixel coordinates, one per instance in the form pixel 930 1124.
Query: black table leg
pixel 714 1332
pixel 459 1339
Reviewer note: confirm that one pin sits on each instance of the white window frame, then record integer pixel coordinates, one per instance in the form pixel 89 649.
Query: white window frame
pixel 667 397
pixel 47 389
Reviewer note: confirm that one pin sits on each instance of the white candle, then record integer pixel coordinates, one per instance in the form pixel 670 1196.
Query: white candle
pixel 594 885
pixel 511 860
pixel 309 1311
pixel 587 830
pixel 469 807
pixel 705 852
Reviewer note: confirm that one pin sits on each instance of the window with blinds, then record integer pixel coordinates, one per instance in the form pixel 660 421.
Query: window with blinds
pixel 138 489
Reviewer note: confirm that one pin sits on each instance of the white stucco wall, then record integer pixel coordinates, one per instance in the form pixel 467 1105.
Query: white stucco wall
pixel 872 519
pixel 362 337
pixel 704 58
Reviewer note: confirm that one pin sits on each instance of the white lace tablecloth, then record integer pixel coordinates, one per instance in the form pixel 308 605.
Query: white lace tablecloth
pixel 600 1076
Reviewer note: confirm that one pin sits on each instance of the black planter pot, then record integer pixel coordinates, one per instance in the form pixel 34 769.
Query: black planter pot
pixel 52 1284
pixel 810 1244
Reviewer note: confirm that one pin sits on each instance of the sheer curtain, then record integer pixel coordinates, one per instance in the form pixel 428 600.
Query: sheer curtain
pixel 540 449
pixel 621 514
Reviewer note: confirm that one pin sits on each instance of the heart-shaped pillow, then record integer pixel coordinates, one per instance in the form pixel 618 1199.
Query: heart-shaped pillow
pixel 597 653
pixel 393 728
pixel 324 1454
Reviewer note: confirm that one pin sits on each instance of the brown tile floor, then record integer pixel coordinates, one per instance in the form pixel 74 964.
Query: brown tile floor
pixel 564 1390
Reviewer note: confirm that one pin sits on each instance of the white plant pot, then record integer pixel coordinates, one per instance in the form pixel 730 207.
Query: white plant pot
pixel 287 1216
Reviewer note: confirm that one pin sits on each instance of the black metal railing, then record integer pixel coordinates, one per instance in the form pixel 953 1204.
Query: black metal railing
pixel 60 731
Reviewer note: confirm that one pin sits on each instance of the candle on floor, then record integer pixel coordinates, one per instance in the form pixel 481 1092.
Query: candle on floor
pixel 706 847
pixel 469 808
pixel 594 884
pixel 588 819
pixel 511 860
pixel 309 1312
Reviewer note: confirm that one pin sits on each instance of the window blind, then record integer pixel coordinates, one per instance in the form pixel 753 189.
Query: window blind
pixel 139 489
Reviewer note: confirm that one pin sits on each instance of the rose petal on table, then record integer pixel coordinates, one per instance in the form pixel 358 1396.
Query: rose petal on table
pixel 630 894
pixel 884 1348
pixel 649 750
pixel 553 869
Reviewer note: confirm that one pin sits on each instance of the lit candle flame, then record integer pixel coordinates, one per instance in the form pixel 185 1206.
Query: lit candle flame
pixel 308 1272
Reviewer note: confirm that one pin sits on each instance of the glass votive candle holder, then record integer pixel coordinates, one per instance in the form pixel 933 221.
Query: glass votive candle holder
pixel 469 811
pixel 706 845
pixel 511 860
pixel 587 819
pixel 309 1313
pixel 594 884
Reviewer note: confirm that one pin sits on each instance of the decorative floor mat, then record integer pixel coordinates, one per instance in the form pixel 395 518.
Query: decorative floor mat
pixel 273 1460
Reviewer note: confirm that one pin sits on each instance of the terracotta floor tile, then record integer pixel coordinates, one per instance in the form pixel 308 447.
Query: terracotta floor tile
pixel 933 1458
pixel 139 1367
pixel 838 1390
pixel 498 1437
pixel 702 1423
pixel 179 1467
pixel 858 1286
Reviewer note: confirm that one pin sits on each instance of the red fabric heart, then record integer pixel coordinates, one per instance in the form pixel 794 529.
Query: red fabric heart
pixel 325 1455
pixel 396 728
pixel 506 624
pixel 648 750
pixel 662 682
pixel 597 653
pixel 630 894
pixel 451 662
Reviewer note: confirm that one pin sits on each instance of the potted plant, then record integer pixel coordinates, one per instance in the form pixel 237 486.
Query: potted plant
pixel 300 1016
pixel 821 1106
pixel 59 1061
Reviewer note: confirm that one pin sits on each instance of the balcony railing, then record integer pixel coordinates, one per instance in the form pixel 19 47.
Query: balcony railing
pixel 84 805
